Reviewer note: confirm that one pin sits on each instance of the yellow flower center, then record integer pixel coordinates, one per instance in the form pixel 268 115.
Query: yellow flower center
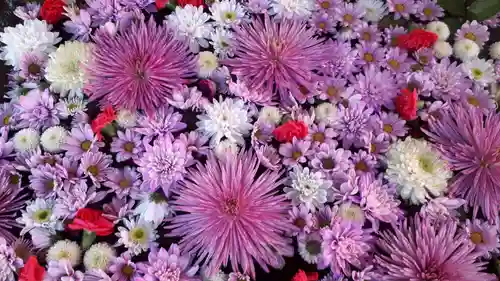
pixel 426 164
pixel 41 216
pixel 394 64
pixel 124 183
pixel 388 128
pixel 6 120
pixel 319 137
pixel 470 36
pixel 85 146
pixel 325 4
pixel 361 166
pixel 476 237
pixel 129 147
pixel 34 69
pixel 230 16
pixel 372 148
pixel 322 25
pixel 328 163
pixel 63 255
pixel 138 235
pixel 93 170
pixel 368 57
pixel 473 101
pixel 332 91
pixel 366 36
pixel 296 155
pixel 348 18
pixel 128 270
pixel 428 12
pixel 476 73
pixel 400 8
pixel 14 179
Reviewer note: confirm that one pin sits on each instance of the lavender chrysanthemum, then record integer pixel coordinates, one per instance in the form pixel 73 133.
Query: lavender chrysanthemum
pixel 421 250
pixel 139 68
pixel 377 88
pixel 81 141
pixel 164 122
pixel 228 213
pixel 11 202
pixel 169 265
pixel 470 142
pixel 352 123
pixel 282 54
pixel 449 80
pixel 96 165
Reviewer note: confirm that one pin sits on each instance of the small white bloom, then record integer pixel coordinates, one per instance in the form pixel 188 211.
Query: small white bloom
pixel 440 28
pixel 40 214
pixel 41 238
pixel 325 112
pixel 227 13
pixel 65 250
pixel 309 246
pixel 207 64
pixel 375 10
pixel 99 256
pixel 442 49
pixel 351 212
pixel 417 170
pixel 71 106
pixel 226 148
pixel 53 138
pixel 308 188
pixel 126 118
pixel 270 114
pixel 137 236
pixel 346 34
pixel 192 22
pixel 495 50
pixel 292 9
pixel 153 208
pixel 225 118
pixel 65 69
pixel 26 140
pixel 221 40
pixel 219 276
pixel 479 70
pixel 466 49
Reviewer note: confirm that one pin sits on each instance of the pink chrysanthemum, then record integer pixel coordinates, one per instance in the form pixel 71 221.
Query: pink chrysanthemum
pixel 139 68
pixel 228 213
pixel 422 250
pixel 282 54
pixel 470 143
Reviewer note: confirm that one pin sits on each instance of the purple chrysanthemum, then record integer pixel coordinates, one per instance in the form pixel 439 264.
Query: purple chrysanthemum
pixel 45 180
pixel 429 10
pixel 449 80
pixel 80 141
pixel 164 122
pixel 280 54
pixel 473 31
pixel 32 66
pixel 390 125
pixel 352 123
pixel 168 265
pixel 426 57
pixel 127 145
pixel 123 269
pixel 11 202
pixel 377 88
pixel 421 250
pixel 368 33
pixel 9 116
pixel 480 98
pixel 402 8
pixel 376 144
pixel 369 54
pixel 396 60
pixel 363 162
pixel 301 219
pixel 321 134
pixel 37 110
pixel 96 165
pixel 268 156
pixel 334 89
pixel 295 152
pixel 341 60
pixel 470 142
pixel 322 22
pixel 70 199
pixel 484 236
pixel 138 68
pixel 331 160
pixel 228 213
pixel 349 14
pixel 392 33
pixel 123 181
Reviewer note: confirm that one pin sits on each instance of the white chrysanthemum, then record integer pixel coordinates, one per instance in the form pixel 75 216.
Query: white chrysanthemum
pixel 479 70
pixel 53 138
pixel 374 9
pixel 219 276
pixel 71 106
pixel 309 246
pixel 292 9
pixel 270 114
pixel 440 28
pixel 225 118
pixel 325 112
pixel 442 49
pixel 99 256
pixel 466 49
pixel 192 22
pixel 40 214
pixel 495 50
pixel 207 64
pixel 417 170
pixel 65 69
pixel 225 148
pixel 126 118
pixel 26 140
pixel 227 13
pixel 153 208
pixel 308 188
pixel 351 212
pixel 33 36
pixel 65 249
pixel 221 40
pixel 137 236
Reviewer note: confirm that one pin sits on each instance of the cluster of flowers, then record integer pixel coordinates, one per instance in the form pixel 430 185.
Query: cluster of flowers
pixel 209 141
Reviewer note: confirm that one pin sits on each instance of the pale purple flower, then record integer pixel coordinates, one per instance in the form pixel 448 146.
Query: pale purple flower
pixel 12 200
pixel 396 60
pixel 32 66
pixel 334 277
pixel 418 80
pixel 425 56
pixel 335 89
pixel 123 181
pixel 484 236
pixel 449 80
pixel 428 10
pixel 45 180
pixel 364 275
pixel 363 162
pixel 389 125
pixel 322 22
pixel 441 208
pixel 96 275
pixel 127 145
pixel 37 110
pixel 369 54
pixel 258 6
pixel 195 143
pixel 330 160
pixel 344 187
pixel 164 122
pixel 236 276
pixel 187 98
pixel 376 144
pixel 368 33
pixel 377 88
pixel 262 132
pixel 9 116
pixel 27 12
pixel 96 165
pixel 63 271
pixel 6 146
pixel 123 269
pixel 473 31
pixel 326 6
pixel 79 24
pixel 480 98
pixel 71 172
pixel 321 134
pixel 352 123
pixel 341 61
pixel 80 141
pixel 392 33
pixel 118 208
pixel 301 218
pixel 295 152
pixel 402 8
pixel 323 218
pixel 9 261
pixel 72 198
pixel 268 157
pixel 349 14
pixel 433 110
pixel 168 265
pixel 493 21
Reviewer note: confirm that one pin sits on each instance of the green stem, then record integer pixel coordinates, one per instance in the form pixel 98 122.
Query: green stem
pixel 87 239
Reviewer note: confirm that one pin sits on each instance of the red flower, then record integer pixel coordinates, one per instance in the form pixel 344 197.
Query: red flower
pixel 93 221
pixel 52 11
pixel 32 271
pixel 417 39
pixel 160 4
pixel 302 276
pixel 195 3
pixel 290 129
pixel 406 104
pixel 103 119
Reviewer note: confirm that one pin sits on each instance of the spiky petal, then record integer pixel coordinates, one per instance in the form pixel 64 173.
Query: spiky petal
pixel 11 202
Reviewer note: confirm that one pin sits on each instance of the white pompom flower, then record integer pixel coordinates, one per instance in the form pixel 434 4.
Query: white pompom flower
pixel 495 50
pixel 99 256
pixel 26 140
pixel 440 28
pixel 53 138
pixel 65 250
pixel 466 49
pixel 325 112
pixel 126 118
pixel 270 114
pixel 207 64
pixel 442 49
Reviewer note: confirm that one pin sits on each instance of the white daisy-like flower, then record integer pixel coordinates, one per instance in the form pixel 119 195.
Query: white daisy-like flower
pixel 308 188
pixel 137 236
pixel 417 170
pixel 479 70
pixel 32 36
pixel 126 118
pixel 309 245
pixel 466 49
pixel 351 212
pixel 225 118
pixel 65 250
pixel 53 138
pixel 71 106
pixel 225 148
pixel 221 41
pixel 292 9
pixel 227 13
pixel 65 69
pixel 42 238
pixel 375 10
pixel 495 50
pixel 442 49
pixel 192 22
pixel 207 64
pixel 440 28
pixel 325 112
pixel 153 208
pixel 346 34
pixel 98 256
pixel 26 140
pixel 270 114
pixel 40 214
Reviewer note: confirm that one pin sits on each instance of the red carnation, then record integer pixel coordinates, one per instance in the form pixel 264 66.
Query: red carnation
pixel 92 221
pixel 32 270
pixel 417 39
pixel 302 276
pixel 195 3
pixel 289 130
pixel 103 119
pixel 52 11
pixel 406 104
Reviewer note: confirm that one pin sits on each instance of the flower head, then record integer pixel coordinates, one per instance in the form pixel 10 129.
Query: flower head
pixel 168 265
pixel 308 188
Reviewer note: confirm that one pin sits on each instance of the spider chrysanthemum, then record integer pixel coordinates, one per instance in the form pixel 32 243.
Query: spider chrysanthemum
pixel 139 68
pixel 226 213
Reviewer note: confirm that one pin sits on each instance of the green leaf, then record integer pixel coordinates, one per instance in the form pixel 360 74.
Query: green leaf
pixel 483 9
pixel 453 24
pixel 453 7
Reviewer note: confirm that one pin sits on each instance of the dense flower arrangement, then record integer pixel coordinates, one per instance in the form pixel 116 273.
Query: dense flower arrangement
pixel 217 141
